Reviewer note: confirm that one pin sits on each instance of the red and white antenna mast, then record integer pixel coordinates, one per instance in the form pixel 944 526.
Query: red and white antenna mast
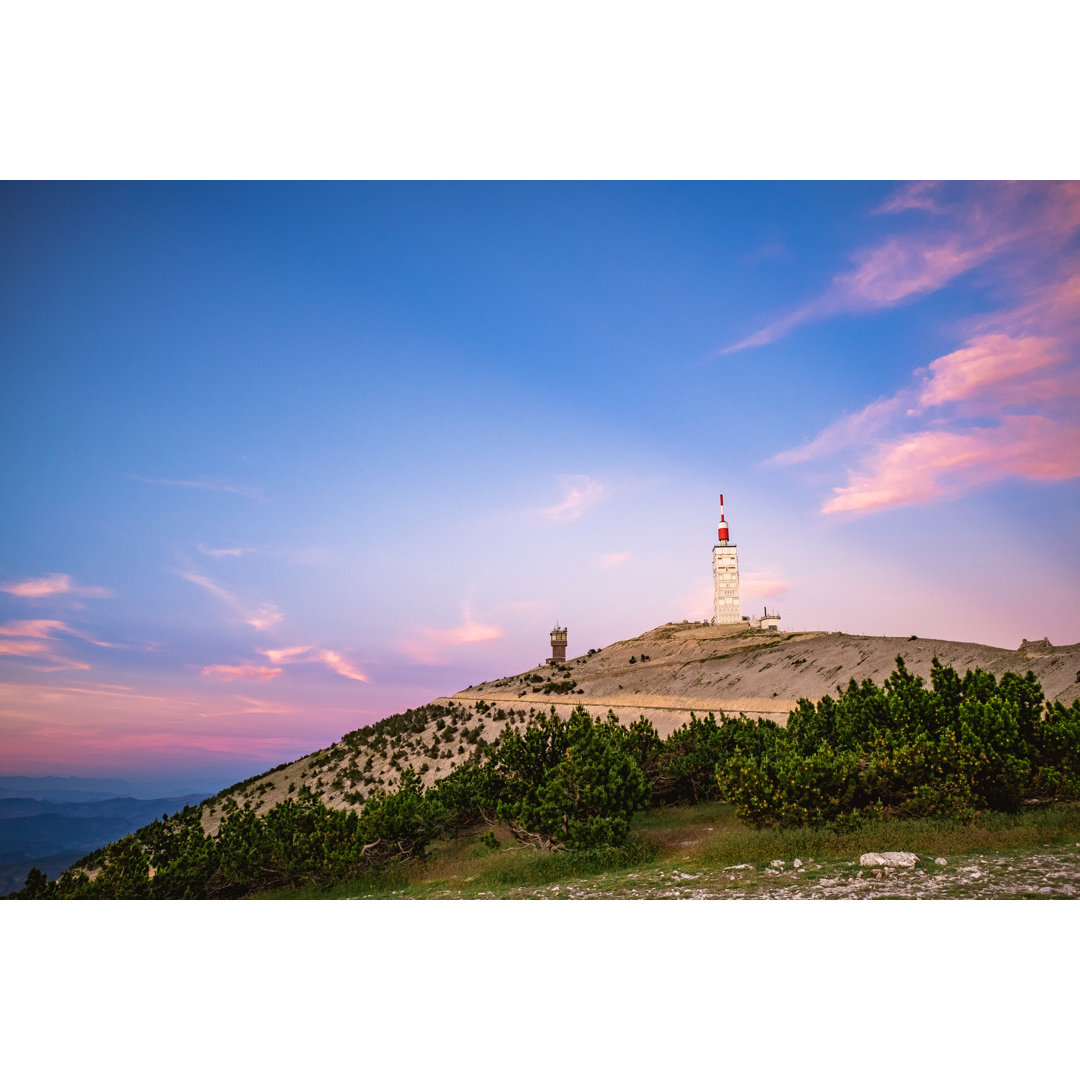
pixel 722 528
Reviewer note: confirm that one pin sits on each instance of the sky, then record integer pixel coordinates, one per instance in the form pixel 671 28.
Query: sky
pixel 280 459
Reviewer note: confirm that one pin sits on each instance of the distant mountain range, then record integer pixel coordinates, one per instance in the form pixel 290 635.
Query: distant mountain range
pixel 52 833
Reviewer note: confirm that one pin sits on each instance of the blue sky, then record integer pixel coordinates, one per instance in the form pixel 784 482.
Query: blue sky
pixel 283 458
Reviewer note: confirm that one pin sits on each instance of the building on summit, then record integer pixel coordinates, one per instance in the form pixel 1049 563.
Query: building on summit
pixel 725 564
pixel 726 602
pixel 558 645
pixel 764 622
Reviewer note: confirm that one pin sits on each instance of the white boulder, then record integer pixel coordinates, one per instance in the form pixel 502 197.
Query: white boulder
pixel 888 858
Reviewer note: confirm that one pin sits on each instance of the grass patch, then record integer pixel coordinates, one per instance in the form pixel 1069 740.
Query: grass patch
pixel 702 838
pixel 465 868
pixel 711 833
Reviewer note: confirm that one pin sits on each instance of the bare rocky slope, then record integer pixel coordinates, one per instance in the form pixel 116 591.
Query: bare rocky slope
pixel 664 675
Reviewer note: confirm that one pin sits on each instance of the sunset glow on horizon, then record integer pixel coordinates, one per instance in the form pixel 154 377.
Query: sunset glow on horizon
pixel 282 459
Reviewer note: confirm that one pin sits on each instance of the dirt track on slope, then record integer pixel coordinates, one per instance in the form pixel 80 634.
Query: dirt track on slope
pixel 702 668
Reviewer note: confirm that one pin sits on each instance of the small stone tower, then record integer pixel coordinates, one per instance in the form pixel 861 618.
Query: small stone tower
pixel 558 645
pixel 725 560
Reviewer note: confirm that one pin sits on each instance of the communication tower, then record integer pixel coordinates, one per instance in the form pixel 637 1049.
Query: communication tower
pixel 725 558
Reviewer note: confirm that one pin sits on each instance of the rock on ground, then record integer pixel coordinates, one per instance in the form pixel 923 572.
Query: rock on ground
pixel 888 858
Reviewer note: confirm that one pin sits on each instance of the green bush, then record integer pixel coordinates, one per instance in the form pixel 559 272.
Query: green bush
pixel 297 842
pixel 557 784
pixel 960 746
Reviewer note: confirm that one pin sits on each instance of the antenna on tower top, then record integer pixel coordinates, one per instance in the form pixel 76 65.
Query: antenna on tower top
pixel 722 528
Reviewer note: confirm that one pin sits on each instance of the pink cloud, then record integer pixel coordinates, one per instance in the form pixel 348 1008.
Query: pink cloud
pixel 41 650
pixel 932 464
pixel 285 656
pixel 33 628
pixel 1006 402
pixel 34 639
pixel 262 617
pixel 1024 391
pixel 919 195
pixel 902 267
pixel 337 663
pixel 896 270
pixel 429 645
pixel 51 585
pixel 251 707
pixel 265 616
pixel 205 583
pixel 307 654
pixel 614 559
pixel 229 672
pixel 985 221
pixel 108 691
pixel 985 363
pixel 48 628
pixel 583 493
pixel 780 327
pixel 845 432
pixel 759 584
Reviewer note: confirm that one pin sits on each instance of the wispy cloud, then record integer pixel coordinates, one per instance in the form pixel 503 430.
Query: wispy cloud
pixel 582 493
pixel 246 706
pixel 308 654
pixel 230 672
pixel 429 645
pixel 851 430
pixel 53 585
pixel 37 640
pixel 934 464
pixel 616 558
pixel 286 656
pixel 761 584
pixel 1004 405
pixel 225 553
pixel 991 366
pixel 48 628
pixel 337 663
pixel 969 225
pixel 203 484
pixel 920 195
pixel 1006 402
pixel 27 649
pixel 262 616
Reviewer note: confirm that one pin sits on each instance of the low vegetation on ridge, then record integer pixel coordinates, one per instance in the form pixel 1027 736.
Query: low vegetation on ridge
pixel 903 750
